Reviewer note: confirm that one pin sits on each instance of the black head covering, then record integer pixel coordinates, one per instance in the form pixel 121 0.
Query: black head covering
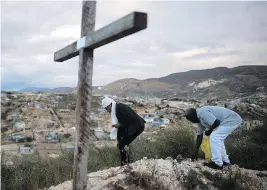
pixel 191 115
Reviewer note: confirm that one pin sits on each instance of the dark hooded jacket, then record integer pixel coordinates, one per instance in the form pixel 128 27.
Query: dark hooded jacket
pixel 129 119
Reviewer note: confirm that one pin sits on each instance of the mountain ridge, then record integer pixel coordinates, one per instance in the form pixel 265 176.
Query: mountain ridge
pixel 218 82
pixel 213 82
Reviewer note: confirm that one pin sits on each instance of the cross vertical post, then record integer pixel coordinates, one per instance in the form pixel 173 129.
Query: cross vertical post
pixel 84 97
pixel 84 47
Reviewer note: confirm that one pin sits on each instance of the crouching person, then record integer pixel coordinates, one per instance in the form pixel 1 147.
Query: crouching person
pixel 128 123
pixel 218 123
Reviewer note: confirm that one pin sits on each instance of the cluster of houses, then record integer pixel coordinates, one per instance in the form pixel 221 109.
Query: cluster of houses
pixel 46 150
pixel 50 146
pixel 154 120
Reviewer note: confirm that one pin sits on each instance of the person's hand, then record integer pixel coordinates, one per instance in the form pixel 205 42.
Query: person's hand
pixel 116 126
pixel 207 133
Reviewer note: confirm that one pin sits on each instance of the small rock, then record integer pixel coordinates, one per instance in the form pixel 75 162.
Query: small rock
pixel 169 158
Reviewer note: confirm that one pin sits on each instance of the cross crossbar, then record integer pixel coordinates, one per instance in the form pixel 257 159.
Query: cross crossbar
pixel 84 47
pixel 125 26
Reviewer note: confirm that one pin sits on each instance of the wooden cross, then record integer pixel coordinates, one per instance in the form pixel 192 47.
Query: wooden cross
pixel 84 47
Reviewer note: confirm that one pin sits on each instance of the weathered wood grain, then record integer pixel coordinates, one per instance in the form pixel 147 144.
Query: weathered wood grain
pixel 84 47
pixel 123 27
pixel 84 99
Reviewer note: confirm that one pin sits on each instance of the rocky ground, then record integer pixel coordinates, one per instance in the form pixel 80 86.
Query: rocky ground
pixel 172 174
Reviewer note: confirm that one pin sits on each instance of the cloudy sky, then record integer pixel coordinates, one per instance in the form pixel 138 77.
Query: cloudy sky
pixel 181 36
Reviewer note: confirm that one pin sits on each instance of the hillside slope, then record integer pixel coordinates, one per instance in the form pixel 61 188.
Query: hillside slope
pixel 218 82
pixel 34 89
pixel 172 175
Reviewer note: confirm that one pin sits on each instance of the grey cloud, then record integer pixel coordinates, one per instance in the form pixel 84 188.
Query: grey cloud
pixel 214 54
pixel 34 48
pixel 173 27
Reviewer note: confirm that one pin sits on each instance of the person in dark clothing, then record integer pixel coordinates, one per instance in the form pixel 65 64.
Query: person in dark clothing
pixel 126 123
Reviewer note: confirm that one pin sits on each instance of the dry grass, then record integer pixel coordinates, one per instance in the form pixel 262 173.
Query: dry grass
pixel 32 172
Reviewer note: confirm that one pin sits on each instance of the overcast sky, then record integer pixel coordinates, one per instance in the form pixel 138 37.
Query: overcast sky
pixel 181 36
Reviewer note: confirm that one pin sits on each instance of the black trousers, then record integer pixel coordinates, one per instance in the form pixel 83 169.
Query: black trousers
pixel 124 140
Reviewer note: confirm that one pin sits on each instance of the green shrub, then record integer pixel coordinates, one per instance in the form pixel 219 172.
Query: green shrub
pixel 246 148
pixel 169 143
pixel 29 139
pixel 66 135
pixel 27 145
pixel 103 158
pixel 33 173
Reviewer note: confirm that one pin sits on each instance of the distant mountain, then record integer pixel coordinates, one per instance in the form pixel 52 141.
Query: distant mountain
pixel 62 89
pixel 220 82
pixel 55 90
pixel 34 89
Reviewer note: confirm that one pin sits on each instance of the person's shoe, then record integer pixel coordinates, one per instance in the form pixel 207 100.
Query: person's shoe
pixel 213 166
pixel 123 163
pixel 226 164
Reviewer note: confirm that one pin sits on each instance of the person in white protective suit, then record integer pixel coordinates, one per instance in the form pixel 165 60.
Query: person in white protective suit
pixel 126 125
pixel 218 123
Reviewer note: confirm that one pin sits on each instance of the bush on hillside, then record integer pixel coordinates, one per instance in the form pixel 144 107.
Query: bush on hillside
pixel 169 143
pixel 246 148
pixel 34 173
pixel 67 135
pixel 29 139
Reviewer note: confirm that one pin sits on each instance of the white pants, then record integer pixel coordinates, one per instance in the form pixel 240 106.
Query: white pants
pixel 218 136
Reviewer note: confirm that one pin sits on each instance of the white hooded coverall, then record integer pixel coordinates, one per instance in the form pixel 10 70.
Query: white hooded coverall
pixel 229 121
pixel 105 102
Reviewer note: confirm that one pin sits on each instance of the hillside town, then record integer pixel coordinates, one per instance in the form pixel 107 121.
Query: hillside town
pixel 44 123
pixel 133 95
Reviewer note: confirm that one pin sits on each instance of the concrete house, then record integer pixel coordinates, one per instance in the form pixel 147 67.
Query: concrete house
pixel 52 136
pixel 19 126
pixel 58 98
pixel 16 138
pixel 149 117
pixel 15 116
pixel 68 148
pixel 64 110
pixel 26 150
